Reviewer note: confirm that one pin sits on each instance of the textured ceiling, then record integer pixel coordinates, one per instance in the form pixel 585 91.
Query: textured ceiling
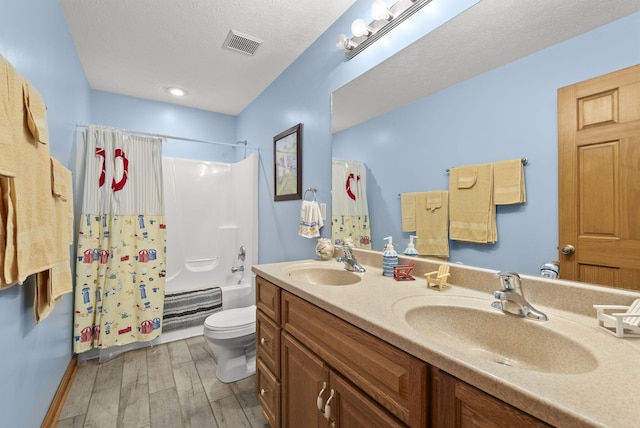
pixel 489 34
pixel 140 47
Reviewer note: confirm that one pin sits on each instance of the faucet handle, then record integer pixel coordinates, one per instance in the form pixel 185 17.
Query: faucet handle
pixel 500 295
pixel 509 280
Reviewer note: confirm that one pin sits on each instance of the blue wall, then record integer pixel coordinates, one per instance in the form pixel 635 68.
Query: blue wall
pixel 33 357
pixel 509 112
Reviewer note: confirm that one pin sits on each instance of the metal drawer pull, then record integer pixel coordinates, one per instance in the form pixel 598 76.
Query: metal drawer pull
pixel 327 407
pixel 319 400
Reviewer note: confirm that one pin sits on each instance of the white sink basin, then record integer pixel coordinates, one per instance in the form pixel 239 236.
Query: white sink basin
pixel 471 326
pixel 324 276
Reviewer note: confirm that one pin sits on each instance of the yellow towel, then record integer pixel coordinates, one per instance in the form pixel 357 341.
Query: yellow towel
pixel 10 109
pixel 408 208
pixel 472 213
pixel 508 182
pixel 432 223
pixel 30 228
pixel 4 199
pixel 52 283
pixel 36 113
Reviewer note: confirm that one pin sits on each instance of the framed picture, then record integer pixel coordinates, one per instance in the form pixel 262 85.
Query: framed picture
pixel 287 159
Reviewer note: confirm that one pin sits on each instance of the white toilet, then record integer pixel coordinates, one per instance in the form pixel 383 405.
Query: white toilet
pixel 234 331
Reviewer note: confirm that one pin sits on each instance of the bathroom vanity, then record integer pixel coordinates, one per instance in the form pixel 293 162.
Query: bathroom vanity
pixel 338 348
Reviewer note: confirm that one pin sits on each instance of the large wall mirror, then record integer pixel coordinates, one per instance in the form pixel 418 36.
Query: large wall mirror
pixel 480 88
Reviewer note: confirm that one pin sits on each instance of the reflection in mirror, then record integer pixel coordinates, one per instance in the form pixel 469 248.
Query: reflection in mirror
pixel 485 92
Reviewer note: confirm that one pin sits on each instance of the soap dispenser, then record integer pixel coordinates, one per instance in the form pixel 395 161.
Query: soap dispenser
pixel 411 249
pixel 389 258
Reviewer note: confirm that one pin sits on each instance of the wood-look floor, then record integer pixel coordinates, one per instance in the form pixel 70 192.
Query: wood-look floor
pixel 171 385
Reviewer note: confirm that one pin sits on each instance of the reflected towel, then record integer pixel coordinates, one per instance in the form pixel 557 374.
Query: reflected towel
pixel 408 208
pixel 508 182
pixel 432 223
pixel 472 213
pixel 310 220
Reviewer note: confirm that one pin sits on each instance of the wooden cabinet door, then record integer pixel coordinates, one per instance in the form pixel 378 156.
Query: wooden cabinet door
pixel 303 377
pixel 352 409
pixel 599 179
pixel 460 405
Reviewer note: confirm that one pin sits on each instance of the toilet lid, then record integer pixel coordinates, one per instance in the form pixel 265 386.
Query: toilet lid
pixel 231 318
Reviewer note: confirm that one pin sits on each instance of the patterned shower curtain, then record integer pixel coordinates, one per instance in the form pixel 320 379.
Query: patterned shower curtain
pixel 120 266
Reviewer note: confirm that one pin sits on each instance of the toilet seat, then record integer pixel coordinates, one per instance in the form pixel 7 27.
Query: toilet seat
pixel 231 323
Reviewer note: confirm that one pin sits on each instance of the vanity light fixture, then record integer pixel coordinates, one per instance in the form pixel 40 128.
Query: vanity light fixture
pixel 176 92
pixel 385 19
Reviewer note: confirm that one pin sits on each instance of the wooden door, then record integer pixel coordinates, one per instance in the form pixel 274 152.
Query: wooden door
pixel 353 409
pixel 599 179
pixel 303 377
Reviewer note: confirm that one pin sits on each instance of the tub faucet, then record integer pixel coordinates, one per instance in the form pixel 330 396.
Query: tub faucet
pixel 511 298
pixel 235 269
pixel 349 260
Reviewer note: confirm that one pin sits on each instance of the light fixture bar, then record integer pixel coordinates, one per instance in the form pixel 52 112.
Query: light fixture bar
pixel 363 42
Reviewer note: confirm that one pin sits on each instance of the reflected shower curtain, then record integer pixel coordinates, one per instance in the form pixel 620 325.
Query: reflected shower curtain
pixel 120 266
pixel 350 211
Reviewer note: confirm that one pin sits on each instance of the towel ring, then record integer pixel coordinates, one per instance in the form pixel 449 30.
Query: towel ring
pixel 311 189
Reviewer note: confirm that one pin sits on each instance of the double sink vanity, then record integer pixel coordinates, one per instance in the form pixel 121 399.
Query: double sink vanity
pixel 338 348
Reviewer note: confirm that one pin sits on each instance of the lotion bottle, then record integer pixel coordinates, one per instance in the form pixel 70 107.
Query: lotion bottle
pixel 411 249
pixel 389 258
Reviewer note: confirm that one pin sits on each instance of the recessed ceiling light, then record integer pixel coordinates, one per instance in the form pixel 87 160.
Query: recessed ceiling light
pixel 177 92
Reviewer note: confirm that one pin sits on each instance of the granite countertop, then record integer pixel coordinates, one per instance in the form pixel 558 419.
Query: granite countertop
pixel 604 391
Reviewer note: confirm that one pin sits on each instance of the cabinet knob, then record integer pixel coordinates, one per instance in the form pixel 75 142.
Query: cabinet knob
pixel 263 392
pixel 263 340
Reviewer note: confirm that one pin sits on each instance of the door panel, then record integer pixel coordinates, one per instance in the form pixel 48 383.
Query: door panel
pixel 599 179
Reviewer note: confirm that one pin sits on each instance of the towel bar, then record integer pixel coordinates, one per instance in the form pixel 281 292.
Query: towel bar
pixel 524 162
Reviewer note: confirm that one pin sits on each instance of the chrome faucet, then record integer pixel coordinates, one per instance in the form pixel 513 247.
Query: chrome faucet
pixel 511 298
pixel 242 254
pixel 349 260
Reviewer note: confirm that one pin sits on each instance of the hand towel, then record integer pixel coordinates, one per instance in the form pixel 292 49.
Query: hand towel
pixel 432 223
pixel 310 220
pixel 36 113
pixel 472 213
pixel 508 182
pixel 467 177
pixel 408 209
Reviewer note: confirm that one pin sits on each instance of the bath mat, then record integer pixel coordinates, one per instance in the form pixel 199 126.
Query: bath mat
pixel 190 308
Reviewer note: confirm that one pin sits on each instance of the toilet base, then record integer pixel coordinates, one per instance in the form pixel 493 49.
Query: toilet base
pixel 236 363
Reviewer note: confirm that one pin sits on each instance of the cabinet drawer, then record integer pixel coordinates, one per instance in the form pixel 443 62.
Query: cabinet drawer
pixel 268 342
pixel 268 298
pixel 395 379
pixel 268 392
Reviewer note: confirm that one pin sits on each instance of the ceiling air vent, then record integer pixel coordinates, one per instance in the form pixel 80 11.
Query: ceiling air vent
pixel 241 42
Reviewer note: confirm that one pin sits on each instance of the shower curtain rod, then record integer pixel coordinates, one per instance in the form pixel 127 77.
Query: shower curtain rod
pixel 173 137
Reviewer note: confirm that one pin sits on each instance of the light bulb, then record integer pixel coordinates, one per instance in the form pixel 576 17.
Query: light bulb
pixel 380 11
pixel 178 92
pixel 343 42
pixel 360 28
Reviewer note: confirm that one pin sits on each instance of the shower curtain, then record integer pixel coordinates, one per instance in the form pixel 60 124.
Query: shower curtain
pixel 120 266
pixel 350 211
